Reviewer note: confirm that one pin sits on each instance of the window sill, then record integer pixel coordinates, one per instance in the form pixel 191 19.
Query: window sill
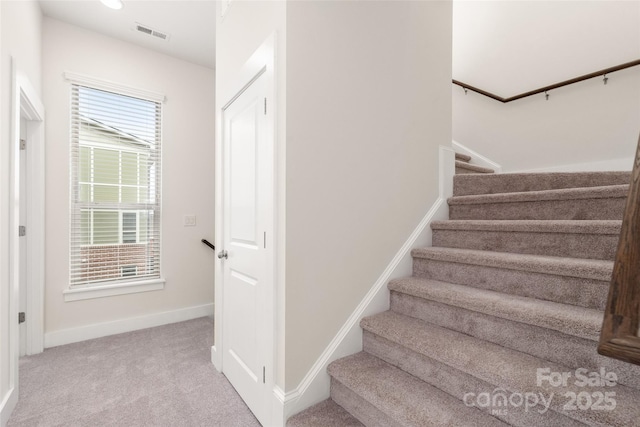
pixel 90 292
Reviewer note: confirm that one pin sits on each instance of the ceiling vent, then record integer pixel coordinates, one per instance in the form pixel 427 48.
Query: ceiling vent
pixel 151 32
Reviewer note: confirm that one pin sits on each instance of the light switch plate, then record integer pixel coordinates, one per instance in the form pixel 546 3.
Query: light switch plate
pixel 189 220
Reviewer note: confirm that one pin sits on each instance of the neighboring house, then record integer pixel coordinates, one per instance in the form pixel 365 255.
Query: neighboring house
pixel 115 168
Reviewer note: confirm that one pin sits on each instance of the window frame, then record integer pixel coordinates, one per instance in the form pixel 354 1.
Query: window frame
pixel 81 291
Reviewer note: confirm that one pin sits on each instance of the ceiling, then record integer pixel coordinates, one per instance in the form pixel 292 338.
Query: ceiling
pixel 190 24
pixel 497 45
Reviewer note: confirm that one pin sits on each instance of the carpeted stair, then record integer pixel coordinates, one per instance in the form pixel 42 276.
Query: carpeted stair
pixel 463 165
pixel 516 281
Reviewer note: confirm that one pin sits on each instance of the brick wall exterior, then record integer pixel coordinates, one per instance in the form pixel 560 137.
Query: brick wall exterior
pixel 104 262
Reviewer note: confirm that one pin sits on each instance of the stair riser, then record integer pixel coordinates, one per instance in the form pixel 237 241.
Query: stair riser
pixel 573 245
pixel 574 209
pixel 460 171
pixel 463 157
pixel 588 293
pixel 506 183
pixel 327 412
pixel 364 411
pixel 455 382
pixel 551 345
pixel 463 170
pixel 465 167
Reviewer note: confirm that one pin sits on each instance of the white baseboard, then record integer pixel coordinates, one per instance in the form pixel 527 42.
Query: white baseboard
pixel 624 164
pixel 476 158
pixel 314 387
pixel 7 405
pixel 279 402
pixel 98 330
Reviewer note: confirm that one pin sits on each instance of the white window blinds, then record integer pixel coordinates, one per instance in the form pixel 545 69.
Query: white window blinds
pixel 115 187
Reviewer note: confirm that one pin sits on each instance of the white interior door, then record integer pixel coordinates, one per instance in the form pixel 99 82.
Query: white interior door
pixel 247 227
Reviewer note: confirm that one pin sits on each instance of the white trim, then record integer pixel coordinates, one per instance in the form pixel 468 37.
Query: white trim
pixel 110 86
pixel 25 102
pixel 285 398
pixel 224 8
pixel 7 406
pixel 90 292
pixel 476 158
pixel 32 107
pixel 98 330
pixel 314 387
pixel 279 401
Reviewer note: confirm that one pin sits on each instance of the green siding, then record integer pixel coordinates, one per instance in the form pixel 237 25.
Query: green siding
pixel 106 166
pixel 105 227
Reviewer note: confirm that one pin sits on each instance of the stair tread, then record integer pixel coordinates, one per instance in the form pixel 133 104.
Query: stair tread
pixel 463 157
pixel 533 226
pixel 603 192
pixel 504 368
pixel 516 182
pixel 573 267
pixel 473 168
pixel 325 413
pixel 405 398
pixel 569 319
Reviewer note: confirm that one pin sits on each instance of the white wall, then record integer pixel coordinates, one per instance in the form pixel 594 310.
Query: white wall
pixel 586 126
pixel 513 47
pixel 20 35
pixel 368 104
pixel 188 174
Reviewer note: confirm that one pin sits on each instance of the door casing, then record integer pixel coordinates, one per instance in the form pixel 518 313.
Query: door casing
pixel 26 105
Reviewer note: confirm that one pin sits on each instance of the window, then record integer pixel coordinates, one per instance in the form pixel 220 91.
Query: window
pixel 129 227
pixel 115 187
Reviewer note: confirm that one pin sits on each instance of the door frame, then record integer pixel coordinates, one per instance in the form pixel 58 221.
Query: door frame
pixel 260 64
pixel 26 103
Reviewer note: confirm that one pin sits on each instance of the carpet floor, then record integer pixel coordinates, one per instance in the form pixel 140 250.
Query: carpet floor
pixel 153 377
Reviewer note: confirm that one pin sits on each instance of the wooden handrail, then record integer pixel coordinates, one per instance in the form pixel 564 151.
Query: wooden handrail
pixel 550 87
pixel 619 337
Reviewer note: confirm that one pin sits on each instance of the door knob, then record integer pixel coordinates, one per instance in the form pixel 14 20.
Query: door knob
pixel 223 254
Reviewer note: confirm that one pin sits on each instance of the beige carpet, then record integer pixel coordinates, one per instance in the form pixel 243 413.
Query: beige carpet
pixel 154 377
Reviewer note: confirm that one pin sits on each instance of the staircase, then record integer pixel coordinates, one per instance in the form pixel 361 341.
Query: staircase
pixel 508 300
